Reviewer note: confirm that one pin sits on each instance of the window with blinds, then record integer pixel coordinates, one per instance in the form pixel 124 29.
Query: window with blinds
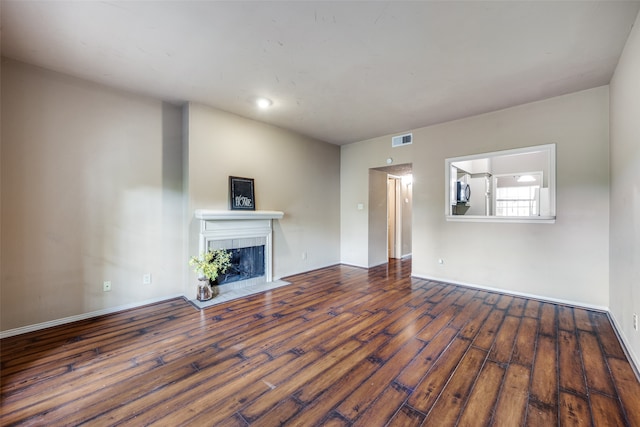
pixel 517 201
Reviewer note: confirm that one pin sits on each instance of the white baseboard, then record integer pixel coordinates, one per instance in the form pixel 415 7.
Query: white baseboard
pixel 91 314
pixel 628 350
pixel 83 316
pixel 352 265
pixel 519 294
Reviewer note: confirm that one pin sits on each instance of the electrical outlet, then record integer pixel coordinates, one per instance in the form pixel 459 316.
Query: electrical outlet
pixel 106 286
pixel 635 321
pixel 304 255
pixel 146 279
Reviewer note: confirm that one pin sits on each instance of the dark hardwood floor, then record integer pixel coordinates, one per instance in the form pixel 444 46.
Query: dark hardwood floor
pixel 340 346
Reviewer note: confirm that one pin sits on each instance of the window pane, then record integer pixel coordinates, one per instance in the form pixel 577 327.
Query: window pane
pixel 517 201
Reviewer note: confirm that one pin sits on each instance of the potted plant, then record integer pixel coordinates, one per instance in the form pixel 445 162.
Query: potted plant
pixel 209 266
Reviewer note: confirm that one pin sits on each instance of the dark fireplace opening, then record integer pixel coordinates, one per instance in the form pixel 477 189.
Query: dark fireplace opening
pixel 246 263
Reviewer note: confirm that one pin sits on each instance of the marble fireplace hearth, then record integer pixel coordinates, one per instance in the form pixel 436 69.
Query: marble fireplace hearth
pixel 232 294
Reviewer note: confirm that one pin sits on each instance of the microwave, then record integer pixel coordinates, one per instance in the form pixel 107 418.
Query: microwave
pixel 463 192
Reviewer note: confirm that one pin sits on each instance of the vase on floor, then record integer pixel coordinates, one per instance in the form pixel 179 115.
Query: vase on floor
pixel 207 265
pixel 204 292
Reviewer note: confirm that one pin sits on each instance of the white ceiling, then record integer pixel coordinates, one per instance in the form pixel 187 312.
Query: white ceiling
pixel 337 71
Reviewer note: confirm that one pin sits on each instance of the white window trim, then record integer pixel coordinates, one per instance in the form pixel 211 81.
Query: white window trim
pixel 504 219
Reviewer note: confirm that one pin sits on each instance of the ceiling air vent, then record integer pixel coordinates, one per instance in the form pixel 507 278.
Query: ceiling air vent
pixel 400 140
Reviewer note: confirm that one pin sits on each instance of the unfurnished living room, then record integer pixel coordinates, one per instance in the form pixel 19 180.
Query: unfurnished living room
pixel 312 213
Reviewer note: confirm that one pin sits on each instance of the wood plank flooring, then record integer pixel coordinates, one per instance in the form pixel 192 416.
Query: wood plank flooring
pixel 339 346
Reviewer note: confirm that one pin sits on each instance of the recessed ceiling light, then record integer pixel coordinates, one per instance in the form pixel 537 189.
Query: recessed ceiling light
pixel 526 178
pixel 263 102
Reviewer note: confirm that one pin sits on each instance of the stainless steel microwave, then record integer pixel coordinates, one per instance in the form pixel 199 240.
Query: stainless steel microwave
pixel 463 193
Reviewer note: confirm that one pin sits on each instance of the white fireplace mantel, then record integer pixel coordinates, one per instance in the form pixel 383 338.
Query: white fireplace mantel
pixel 238 229
pixel 209 215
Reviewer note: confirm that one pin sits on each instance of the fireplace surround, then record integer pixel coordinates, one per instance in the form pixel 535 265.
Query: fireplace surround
pixel 233 230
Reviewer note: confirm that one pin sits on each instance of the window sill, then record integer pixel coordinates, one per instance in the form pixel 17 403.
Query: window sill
pixel 504 219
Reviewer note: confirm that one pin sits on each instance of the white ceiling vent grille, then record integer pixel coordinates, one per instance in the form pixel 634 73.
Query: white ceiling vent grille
pixel 400 140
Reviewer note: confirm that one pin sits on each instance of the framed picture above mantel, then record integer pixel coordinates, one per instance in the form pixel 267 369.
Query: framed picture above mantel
pixel 241 194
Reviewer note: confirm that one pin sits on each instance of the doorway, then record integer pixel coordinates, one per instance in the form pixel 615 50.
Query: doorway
pixel 390 213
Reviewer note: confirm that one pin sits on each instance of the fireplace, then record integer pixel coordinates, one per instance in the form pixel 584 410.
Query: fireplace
pixel 246 263
pixel 248 236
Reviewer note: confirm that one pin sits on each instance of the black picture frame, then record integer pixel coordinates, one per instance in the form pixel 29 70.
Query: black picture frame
pixel 241 194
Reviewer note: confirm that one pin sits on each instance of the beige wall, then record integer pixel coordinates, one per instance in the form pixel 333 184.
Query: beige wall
pixel 625 192
pixel 91 191
pixel 294 174
pixel 360 186
pixel 567 260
